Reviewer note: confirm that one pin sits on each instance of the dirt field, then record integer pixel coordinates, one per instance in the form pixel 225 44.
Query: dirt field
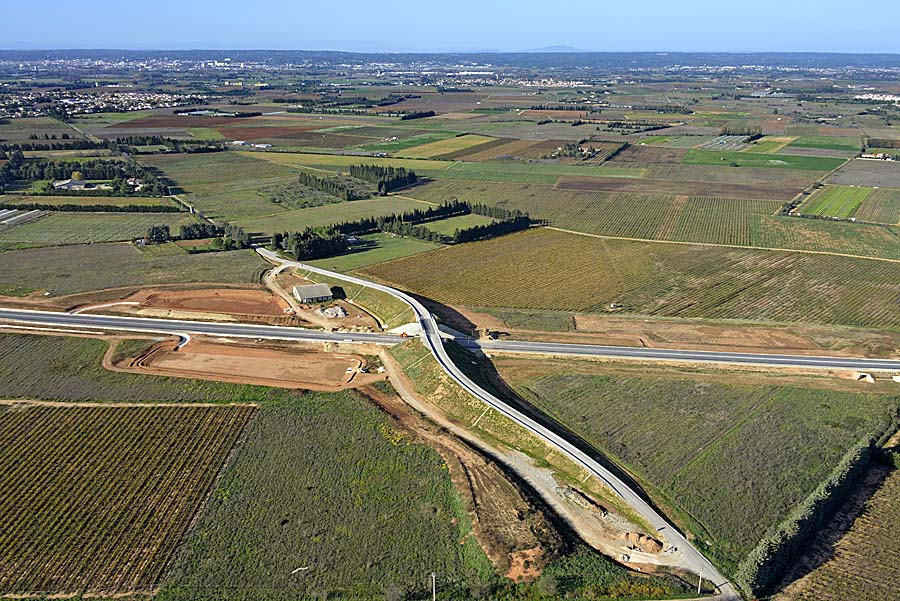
pixel 261 132
pixel 231 301
pixel 687 188
pixel 284 366
pixel 651 154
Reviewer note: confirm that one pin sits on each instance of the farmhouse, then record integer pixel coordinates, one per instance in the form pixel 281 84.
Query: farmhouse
pixel 313 293
pixel 78 184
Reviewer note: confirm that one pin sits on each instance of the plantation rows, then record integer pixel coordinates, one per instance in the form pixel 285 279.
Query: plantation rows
pixel 835 201
pixel 866 560
pixel 826 236
pixel 735 458
pixel 567 272
pixel 95 499
pixel 882 206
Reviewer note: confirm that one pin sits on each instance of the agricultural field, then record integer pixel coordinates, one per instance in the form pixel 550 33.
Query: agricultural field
pixel 735 461
pixel 86 201
pixel 387 248
pixel 407 142
pixel 58 229
pixel 97 498
pixel 848 143
pixel 872 173
pixel 865 560
pixel 644 278
pixel 328 214
pixel 749 159
pixel 447 146
pixel 224 185
pixel 20 130
pixel 882 206
pixel 858 239
pixel 62 270
pixel 677 141
pixel 770 144
pixel 361 530
pixel 836 201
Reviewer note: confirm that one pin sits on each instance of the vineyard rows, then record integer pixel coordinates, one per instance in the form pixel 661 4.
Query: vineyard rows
pixel 882 206
pixel 95 499
pixel 866 560
pixel 835 201
pixel 543 269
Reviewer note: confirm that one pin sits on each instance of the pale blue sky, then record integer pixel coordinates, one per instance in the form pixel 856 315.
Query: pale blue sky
pixel 393 25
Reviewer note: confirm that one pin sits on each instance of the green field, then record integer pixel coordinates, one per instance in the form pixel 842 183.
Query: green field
pixel 769 144
pixel 849 143
pixel 882 206
pixel 749 159
pixel 736 458
pixel 676 141
pixel 485 171
pixel 446 146
pixel 59 229
pixel 836 201
pixel 328 214
pixel 224 185
pixel 64 270
pixel 325 482
pixel 645 278
pixel 388 248
pixel 205 133
pixel 404 143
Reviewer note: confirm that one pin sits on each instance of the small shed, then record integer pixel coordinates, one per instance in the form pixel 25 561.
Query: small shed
pixel 313 293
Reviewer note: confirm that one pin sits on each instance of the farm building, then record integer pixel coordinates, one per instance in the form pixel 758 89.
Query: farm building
pixel 313 293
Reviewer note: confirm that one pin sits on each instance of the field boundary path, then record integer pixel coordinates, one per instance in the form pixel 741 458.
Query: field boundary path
pixel 682 243
pixel 431 337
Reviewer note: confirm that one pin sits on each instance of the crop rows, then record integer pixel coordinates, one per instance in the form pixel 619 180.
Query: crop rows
pixel 826 236
pixel 882 206
pixel 82 228
pixel 95 499
pixel 836 201
pixel 866 560
pixel 543 269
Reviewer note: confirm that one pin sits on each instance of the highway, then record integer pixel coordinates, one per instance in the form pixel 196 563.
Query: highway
pixel 240 330
pixel 656 354
pixel 691 559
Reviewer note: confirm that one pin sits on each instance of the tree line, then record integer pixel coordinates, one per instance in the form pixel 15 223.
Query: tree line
pixel 385 178
pixel 116 171
pixel 416 115
pixel 333 186
pixel 92 208
pixel 318 243
pixel 229 237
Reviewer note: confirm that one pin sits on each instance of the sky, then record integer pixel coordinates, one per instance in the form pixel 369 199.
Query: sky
pixel 455 25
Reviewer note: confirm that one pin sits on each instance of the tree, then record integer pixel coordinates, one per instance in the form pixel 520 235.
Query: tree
pixel 158 234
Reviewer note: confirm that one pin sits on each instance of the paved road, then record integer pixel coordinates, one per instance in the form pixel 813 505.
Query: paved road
pixel 594 350
pixel 171 326
pixel 691 558
pixel 179 327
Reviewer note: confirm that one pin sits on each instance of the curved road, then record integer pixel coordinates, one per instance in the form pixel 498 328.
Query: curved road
pixel 692 559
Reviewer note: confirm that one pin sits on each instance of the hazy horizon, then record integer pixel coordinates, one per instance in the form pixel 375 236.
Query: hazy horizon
pixel 408 27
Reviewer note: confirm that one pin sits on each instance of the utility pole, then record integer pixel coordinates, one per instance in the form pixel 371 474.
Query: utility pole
pixel 433 586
